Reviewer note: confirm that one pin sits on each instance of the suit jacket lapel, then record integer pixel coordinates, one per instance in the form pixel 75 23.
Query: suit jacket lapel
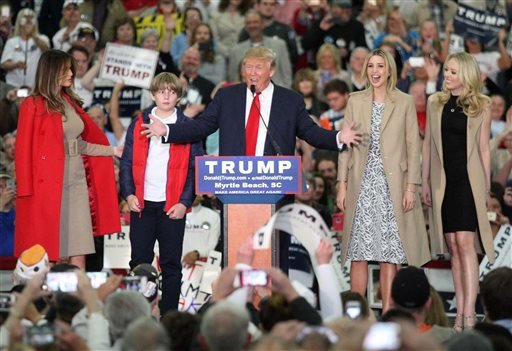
pixel 473 126
pixel 366 117
pixel 275 112
pixel 239 99
pixel 388 109
pixel 435 128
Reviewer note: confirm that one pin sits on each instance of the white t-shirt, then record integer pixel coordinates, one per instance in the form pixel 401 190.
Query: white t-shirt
pixel 17 49
pixel 202 230
pixel 84 93
pixel 155 179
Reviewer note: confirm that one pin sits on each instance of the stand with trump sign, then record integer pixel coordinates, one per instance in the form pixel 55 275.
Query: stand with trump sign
pixel 249 187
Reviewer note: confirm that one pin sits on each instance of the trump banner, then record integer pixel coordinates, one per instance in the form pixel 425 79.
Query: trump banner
pixel 471 23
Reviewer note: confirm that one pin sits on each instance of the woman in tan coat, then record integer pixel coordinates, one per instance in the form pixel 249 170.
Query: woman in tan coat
pixel 379 178
pixel 456 177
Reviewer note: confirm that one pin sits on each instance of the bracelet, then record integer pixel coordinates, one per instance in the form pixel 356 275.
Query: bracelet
pixel 411 191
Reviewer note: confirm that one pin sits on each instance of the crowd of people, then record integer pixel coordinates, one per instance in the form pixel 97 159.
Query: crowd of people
pixel 405 140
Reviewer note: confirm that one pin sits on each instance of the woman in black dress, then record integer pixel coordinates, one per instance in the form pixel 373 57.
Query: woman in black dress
pixel 456 177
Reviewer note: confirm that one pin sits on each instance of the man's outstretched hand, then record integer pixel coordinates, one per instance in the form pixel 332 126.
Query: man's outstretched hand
pixel 349 136
pixel 154 128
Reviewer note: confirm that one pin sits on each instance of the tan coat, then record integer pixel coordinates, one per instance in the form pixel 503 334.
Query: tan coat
pixel 438 181
pixel 400 147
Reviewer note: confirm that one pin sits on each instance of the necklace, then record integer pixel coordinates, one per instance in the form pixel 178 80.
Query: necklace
pixel 454 107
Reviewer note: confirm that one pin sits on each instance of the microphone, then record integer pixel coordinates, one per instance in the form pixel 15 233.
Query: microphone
pixel 275 146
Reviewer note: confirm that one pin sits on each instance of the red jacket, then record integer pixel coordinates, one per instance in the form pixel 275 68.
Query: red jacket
pixel 39 160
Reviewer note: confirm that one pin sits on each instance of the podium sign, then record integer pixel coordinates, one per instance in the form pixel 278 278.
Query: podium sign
pixel 248 186
pixel 248 179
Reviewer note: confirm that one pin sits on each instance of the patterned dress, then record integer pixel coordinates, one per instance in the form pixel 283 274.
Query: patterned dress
pixel 375 235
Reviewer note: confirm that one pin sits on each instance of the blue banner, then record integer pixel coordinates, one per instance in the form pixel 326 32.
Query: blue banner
pixel 247 179
pixel 471 23
pixel 129 101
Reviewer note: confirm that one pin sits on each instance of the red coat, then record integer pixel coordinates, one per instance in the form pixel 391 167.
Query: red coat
pixel 39 161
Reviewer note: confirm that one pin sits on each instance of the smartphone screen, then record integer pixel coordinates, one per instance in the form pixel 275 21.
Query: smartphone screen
pixel 5 11
pixel 22 93
pixel 353 309
pixel 255 277
pixel 61 281
pixel 382 336
pixel 135 283
pixel 97 278
pixel 39 335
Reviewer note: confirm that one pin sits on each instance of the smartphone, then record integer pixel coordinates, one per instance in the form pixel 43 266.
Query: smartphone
pixel 204 46
pixel 382 336
pixel 353 309
pixel 22 93
pixel 39 335
pixel 491 216
pixel 254 277
pixel 134 283
pixel 337 221
pixel 6 302
pixel 61 281
pixel 5 11
pixel 11 183
pixel 97 278
pixel 417 62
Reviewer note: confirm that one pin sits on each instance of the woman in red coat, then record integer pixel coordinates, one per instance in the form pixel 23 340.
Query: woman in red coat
pixel 64 169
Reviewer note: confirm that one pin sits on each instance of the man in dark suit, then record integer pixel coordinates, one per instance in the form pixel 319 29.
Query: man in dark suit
pixel 282 110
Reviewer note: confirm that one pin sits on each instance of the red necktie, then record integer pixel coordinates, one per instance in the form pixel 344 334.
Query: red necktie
pixel 251 129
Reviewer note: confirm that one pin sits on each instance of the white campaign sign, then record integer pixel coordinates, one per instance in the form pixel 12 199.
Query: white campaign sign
pixel 196 283
pixel 502 251
pixel 117 250
pixel 308 227
pixel 135 66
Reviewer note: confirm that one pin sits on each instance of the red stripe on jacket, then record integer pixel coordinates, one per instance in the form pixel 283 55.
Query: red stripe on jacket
pixel 177 167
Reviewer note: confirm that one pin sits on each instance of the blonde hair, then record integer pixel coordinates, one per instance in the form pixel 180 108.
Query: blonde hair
pixel 436 314
pixel 25 12
pixel 262 53
pixel 166 80
pixel 471 99
pixel 335 53
pixel 390 63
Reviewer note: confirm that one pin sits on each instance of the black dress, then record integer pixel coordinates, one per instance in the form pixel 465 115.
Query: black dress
pixel 458 210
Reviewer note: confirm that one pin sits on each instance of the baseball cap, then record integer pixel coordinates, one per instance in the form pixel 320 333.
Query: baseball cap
pixel 87 29
pixel 4 176
pixel 149 271
pixel 70 2
pixel 410 288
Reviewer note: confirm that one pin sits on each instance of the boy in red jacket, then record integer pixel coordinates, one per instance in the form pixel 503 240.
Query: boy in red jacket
pixel 157 181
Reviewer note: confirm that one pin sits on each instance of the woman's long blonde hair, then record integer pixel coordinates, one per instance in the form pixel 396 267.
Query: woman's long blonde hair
pixel 471 99
pixel 50 68
pixel 390 63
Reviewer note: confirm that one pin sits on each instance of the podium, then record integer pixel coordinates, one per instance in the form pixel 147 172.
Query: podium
pixel 249 187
